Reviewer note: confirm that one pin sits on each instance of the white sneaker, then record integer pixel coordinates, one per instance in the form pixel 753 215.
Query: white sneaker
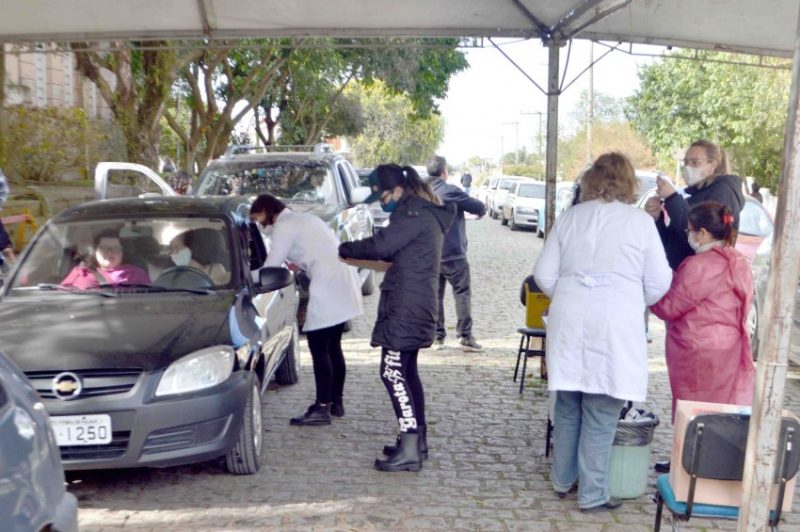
pixel 438 344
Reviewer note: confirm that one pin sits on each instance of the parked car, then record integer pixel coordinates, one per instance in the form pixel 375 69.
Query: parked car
pixel 486 187
pixel 157 373
pixel 380 218
pixel 523 204
pixel 564 196
pixel 497 196
pixel 32 494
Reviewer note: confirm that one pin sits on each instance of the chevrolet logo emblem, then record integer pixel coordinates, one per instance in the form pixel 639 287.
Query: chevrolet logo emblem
pixel 67 385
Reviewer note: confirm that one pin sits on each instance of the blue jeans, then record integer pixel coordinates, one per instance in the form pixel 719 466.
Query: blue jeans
pixel 583 432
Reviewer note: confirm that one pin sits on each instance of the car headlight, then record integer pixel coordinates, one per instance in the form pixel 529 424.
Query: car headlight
pixel 199 370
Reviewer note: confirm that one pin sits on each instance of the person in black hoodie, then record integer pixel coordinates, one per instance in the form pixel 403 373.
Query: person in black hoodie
pixel 407 309
pixel 455 267
pixel 706 172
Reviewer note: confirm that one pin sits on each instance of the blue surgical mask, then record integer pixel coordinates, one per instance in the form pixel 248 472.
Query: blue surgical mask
pixel 389 206
pixel 182 257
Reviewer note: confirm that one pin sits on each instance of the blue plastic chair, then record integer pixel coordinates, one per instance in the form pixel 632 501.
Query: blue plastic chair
pixel 714 448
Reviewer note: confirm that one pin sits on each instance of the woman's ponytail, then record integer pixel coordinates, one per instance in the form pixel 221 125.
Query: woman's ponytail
pixel 417 187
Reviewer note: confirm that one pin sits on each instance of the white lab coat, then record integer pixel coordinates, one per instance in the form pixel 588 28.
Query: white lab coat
pixel 334 295
pixel 600 265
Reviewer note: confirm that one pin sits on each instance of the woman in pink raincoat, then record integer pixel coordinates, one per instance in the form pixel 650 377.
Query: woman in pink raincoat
pixel 708 347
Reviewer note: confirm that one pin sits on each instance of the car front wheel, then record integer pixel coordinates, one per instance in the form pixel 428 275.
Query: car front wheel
pixel 245 456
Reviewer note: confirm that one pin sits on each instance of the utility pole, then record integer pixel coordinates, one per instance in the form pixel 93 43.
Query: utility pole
pixel 540 135
pixel 516 127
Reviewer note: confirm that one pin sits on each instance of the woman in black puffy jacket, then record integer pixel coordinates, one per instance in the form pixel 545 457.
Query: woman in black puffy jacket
pixel 412 243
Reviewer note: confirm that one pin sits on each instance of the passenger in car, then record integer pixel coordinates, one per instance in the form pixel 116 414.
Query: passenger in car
pixel 182 252
pixel 106 266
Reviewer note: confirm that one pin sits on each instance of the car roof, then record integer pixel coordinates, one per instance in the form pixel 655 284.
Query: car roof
pixel 222 206
pixel 277 157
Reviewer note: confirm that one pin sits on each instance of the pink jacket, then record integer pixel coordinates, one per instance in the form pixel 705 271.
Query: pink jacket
pixel 83 277
pixel 708 347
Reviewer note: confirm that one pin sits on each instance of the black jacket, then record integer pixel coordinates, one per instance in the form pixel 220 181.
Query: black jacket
pixel 725 189
pixel 455 241
pixel 412 242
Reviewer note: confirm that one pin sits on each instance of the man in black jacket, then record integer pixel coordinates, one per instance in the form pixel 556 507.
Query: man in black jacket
pixel 455 268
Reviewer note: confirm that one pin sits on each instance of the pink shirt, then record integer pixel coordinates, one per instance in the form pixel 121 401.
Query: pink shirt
pixel 83 277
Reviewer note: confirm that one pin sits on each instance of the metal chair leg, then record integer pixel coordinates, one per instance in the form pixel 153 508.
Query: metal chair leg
pixel 519 354
pixel 659 508
pixel 524 362
pixel 548 436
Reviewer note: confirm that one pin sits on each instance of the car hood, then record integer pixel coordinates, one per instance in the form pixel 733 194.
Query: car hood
pixel 68 332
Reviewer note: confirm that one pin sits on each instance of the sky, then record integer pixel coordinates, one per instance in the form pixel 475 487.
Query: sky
pixel 489 105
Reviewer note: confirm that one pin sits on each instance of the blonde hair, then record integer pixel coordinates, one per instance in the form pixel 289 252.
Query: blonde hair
pixel 610 178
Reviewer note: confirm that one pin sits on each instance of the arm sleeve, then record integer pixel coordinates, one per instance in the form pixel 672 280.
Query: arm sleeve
pixel 657 273
pixel 548 267
pixel 463 201
pixel 678 210
pixel 382 246
pixel 280 245
pixel 688 288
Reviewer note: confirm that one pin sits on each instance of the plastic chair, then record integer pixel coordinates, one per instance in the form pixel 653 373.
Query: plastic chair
pixel 535 305
pixel 714 448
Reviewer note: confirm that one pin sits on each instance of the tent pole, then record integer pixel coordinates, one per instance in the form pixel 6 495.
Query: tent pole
pixel 551 167
pixel 762 439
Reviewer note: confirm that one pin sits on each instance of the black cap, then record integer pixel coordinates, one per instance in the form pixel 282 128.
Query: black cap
pixel 384 178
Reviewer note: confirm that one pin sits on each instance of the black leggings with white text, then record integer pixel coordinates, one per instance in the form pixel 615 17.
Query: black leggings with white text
pixel 400 376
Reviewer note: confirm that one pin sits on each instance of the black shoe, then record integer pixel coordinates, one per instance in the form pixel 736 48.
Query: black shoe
pixel 406 458
pixel 337 408
pixel 389 450
pixel 563 494
pixel 316 414
pixel 611 504
pixel 662 467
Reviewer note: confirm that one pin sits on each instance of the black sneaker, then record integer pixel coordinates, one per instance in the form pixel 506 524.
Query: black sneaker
pixel 468 343
pixel 611 504
pixel 337 409
pixel 315 415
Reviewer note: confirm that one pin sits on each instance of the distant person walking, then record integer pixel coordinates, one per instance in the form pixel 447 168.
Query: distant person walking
pixel 412 243
pixel 455 267
pixel 600 265
pixel 755 192
pixel 466 182
pixel 6 249
pixel 706 172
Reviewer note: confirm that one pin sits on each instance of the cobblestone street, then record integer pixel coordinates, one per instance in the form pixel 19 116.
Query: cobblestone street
pixel 487 469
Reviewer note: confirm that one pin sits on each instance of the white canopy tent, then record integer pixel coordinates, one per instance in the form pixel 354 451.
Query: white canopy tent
pixel 767 27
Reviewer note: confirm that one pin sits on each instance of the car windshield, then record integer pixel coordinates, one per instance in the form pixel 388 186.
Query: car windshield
pixel 292 181
pixel 127 254
pixel 506 184
pixel 754 221
pixel 531 191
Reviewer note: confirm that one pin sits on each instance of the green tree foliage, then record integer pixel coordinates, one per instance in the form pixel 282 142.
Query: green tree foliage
pixel 392 132
pixel 615 136
pixel 49 140
pixel 742 108
pixel 311 102
pixel 141 87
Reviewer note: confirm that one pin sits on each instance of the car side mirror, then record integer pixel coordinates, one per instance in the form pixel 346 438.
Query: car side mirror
pixel 271 279
pixel 359 194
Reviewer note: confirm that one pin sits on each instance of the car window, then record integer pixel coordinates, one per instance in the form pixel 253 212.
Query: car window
pixel 147 246
pixel 530 190
pixel 302 181
pixel 506 184
pixel 753 220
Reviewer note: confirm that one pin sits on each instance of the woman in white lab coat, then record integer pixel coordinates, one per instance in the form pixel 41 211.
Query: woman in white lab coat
pixel 601 264
pixel 334 296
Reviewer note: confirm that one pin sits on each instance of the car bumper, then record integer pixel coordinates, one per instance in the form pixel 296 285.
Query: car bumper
pixel 66 514
pixel 526 220
pixel 150 432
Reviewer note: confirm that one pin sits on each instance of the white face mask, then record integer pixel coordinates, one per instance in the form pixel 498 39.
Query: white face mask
pixel 692 243
pixel 266 230
pixel 182 257
pixel 693 174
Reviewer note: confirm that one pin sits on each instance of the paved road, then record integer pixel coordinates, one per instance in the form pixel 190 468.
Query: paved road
pixel 486 471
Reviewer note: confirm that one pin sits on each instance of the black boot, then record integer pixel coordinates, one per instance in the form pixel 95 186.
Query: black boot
pixel 662 467
pixel 317 414
pixel 389 450
pixel 406 458
pixel 337 407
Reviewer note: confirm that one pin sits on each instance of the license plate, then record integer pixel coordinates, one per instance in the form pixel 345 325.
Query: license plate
pixel 82 430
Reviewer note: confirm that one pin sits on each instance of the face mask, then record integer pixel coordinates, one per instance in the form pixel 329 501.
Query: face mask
pixel 266 230
pixel 692 244
pixel 693 174
pixel 182 257
pixel 389 206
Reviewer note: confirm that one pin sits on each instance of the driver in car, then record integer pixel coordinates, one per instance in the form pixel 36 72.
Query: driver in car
pixel 105 267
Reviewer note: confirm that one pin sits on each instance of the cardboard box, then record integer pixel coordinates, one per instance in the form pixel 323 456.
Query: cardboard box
pixel 377 265
pixel 721 492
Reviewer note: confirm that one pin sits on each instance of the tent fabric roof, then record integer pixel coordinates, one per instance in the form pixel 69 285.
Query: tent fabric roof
pixel 752 26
